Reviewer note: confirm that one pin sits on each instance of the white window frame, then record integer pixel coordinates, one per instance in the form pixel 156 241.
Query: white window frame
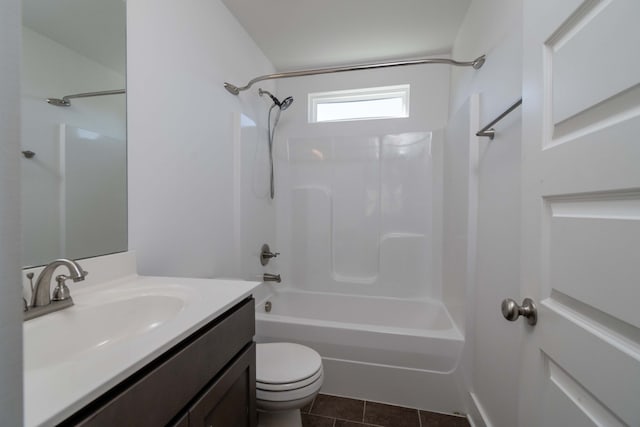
pixel 356 95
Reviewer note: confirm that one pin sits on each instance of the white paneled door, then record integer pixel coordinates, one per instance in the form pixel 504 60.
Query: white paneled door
pixel 581 213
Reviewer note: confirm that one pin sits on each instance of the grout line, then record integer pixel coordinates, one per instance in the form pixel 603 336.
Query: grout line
pixel 312 402
pixel 327 418
pixel 349 421
pixel 419 418
pixel 364 408
pixel 334 423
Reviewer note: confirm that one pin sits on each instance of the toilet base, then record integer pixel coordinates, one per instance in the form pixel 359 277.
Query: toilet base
pixel 291 418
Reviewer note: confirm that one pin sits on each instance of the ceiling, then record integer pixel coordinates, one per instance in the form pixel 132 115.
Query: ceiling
pixel 93 28
pixel 296 34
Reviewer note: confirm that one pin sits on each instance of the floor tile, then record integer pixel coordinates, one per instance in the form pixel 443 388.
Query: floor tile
pixel 338 407
pixel 343 423
pixel 432 419
pixel 390 415
pixel 309 420
pixel 306 408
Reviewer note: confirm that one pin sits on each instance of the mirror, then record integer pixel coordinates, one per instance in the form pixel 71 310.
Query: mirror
pixel 74 157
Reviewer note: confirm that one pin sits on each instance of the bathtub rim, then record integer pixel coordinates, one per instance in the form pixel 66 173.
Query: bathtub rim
pixel 452 332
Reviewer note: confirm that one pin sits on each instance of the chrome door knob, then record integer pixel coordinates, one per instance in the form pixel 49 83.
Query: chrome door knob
pixel 511 310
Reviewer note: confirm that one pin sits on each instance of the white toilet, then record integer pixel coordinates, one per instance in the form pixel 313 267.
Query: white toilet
pixel 288 376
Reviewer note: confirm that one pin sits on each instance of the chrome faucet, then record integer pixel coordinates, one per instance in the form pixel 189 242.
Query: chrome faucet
pixel 267 277
pixel 41 302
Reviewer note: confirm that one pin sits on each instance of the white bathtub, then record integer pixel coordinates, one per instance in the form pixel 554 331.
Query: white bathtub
pixel 389 350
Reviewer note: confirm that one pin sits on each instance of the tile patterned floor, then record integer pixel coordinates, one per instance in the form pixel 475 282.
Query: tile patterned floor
pixel 333 411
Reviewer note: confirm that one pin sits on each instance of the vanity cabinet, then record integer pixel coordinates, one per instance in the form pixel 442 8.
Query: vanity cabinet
pixel 208 379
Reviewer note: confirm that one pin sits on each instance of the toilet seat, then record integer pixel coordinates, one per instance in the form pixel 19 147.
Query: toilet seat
pixel 290 394
pixel 287 372
pixel 290 386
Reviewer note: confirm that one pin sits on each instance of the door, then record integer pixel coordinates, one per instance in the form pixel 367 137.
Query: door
pixel 581 213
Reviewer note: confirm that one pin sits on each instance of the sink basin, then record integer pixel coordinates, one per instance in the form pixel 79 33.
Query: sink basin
pixel 96 322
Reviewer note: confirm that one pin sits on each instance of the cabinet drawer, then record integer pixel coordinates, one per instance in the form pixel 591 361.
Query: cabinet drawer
pixel 230 400
pixel 157 393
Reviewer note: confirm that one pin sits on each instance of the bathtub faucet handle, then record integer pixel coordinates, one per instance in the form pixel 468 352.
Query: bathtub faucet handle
pixel 266 254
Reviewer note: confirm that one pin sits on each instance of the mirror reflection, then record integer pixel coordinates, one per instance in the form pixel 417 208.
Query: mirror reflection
pixel 74 146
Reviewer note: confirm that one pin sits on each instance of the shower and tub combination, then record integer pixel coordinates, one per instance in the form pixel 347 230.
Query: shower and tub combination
pixel 361 266
pixel 359 260
pixel 361 277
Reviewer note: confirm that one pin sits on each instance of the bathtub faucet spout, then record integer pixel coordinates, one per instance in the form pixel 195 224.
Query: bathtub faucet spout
pixel 271 278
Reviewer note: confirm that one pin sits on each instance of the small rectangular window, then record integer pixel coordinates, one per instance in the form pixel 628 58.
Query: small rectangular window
pixel 359 104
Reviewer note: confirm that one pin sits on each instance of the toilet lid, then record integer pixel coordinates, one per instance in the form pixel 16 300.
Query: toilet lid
pixel 281 363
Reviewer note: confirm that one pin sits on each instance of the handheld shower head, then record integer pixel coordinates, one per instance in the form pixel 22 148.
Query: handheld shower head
pixel 286 103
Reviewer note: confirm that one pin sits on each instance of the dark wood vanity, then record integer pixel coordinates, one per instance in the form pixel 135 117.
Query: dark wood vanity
pixel 208 379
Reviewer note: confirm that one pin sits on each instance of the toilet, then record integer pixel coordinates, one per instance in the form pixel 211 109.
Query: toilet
pixel 288 377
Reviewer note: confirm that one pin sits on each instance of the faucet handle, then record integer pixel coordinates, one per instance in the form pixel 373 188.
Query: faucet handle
pixel 30 277
pixel 25 304
pixel 266 254
pixel 61 291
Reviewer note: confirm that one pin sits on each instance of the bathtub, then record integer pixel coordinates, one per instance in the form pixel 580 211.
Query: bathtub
pixel 390 350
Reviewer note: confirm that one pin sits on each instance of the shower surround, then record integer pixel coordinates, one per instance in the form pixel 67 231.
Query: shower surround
pixel 361 218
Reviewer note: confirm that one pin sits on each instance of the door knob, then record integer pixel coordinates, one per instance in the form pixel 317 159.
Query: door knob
pixel 511 310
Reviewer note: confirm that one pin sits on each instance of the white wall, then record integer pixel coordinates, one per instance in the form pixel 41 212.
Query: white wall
pixel 492 349
pixel 357 199
pixel 491 27
pixel 10 304
pixel 181 132
pixel 51 70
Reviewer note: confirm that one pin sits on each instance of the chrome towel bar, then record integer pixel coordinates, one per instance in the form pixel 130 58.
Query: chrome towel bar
pixel 488 129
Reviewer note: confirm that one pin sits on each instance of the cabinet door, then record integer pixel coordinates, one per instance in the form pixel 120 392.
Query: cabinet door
pixel 231 400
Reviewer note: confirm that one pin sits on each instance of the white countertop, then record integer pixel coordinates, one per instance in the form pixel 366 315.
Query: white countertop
pixel 58 388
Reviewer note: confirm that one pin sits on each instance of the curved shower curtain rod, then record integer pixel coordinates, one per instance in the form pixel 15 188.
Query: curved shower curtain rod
pixel 235 90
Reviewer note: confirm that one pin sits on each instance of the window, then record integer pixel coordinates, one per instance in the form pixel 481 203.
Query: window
pixel 359 104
